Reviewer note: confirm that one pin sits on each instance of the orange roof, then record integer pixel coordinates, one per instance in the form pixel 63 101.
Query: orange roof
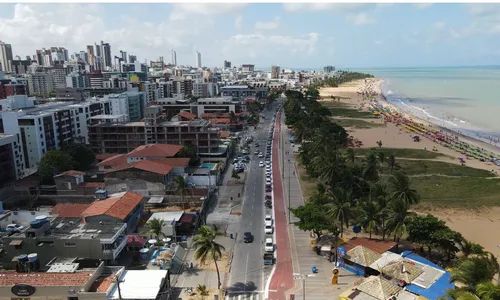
pixel 69 210
pixel 220 121
pixel 224 134
pixel 158 150
pixel 144 165
pixel 115 160
pixel 102 283
pixel 45 279
pixel 173 161
pixel 70 173
pixel 104 156
pixel 118 207
pixel 375 245
pixel 187 115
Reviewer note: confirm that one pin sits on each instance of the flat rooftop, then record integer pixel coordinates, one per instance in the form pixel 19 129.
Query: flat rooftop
pixel 139 284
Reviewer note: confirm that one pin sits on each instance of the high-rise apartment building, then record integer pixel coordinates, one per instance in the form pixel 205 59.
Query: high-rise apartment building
pixel 198 59
pixel 6 57
pixel 40 84
pixel 329 69
pixel 275 72
pixel 132 59
pixel 123 55
pixel 174 58
pixel 227 64
pixel 90 53
pixel 106 54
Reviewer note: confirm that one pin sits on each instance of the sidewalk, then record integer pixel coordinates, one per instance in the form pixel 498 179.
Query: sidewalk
pixel 303 256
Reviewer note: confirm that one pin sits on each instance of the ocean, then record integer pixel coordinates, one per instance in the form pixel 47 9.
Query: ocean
pixel 463 99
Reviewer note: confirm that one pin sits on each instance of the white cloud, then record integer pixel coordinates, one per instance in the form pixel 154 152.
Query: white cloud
pixel 242 46
pixel 422 5
pixel 378 42
pixel 440 25
pixel 73 26
pixel 185 10
pixel 238 22
pixel 361 19
pixel 335 7
pixel 268 25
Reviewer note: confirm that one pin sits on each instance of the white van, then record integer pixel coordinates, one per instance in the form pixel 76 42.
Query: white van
pixel 269 245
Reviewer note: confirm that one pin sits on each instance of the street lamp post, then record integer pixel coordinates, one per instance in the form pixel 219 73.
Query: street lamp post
pixel 303 277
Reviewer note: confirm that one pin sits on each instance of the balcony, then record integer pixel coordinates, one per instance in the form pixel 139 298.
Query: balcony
pixel 114 252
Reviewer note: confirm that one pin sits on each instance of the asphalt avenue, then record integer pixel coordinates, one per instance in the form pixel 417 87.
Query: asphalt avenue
pixel 247 269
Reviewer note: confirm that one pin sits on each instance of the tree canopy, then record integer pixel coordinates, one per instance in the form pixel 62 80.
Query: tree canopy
pixel 52 163
pixel 82 156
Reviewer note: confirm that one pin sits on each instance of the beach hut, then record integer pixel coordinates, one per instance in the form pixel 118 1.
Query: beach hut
pixel 401 270
pixel 358 259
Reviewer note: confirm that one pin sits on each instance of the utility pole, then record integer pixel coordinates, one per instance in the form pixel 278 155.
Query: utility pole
pixel 118 281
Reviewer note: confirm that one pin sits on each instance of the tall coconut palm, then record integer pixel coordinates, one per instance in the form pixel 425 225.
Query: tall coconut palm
pixel 398 218
pixel 181 188
pixel 329 166
pixel 371 167
pixel 369 213
pixel 340 208
pixel 401 189
pixel 207 248
pixel 488 291
pixel 155 226
pixel 459 294
pixel 189 150
pixel 350 155
pixel 391 162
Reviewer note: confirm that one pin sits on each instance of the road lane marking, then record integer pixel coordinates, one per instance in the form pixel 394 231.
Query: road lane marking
pixel 246 272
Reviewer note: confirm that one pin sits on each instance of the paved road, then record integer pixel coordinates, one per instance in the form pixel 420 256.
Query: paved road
pixel 246 279
pixel 282 278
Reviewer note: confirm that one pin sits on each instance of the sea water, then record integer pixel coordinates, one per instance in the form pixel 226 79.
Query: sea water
pixel 463 99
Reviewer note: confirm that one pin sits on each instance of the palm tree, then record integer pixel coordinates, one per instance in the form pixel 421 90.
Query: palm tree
pixel 391 162
pixel 369 216
pixel 350 155
pixel 155 226
pixel 401 189
pixel 488 291
pixel 181 187
pixel 381 157
pixel 398 218
pixel 371 167
pixel 379 143
pixel 467 248
pixel 202 290
pixel 207 248
pixel 460 294
pixel 329 166
pixel 340 207
pixel 473 271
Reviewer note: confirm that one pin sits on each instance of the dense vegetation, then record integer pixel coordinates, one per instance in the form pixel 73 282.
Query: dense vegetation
pixel 343 77
pixel 352 192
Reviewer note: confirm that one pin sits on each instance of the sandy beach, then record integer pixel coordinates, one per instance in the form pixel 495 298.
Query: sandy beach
pixel 473 225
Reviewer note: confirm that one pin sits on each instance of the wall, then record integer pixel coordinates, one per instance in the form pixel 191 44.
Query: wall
pixel 52 293
pixel 203 180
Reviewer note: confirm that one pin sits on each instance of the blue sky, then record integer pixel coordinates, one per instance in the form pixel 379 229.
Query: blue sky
pixel 289 35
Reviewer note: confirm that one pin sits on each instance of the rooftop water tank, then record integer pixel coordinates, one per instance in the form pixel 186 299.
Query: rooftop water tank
pixel 22 258
pixel 32 257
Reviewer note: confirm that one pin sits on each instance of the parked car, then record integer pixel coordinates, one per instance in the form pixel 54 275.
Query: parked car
pixel 269 189
pixel 14 228
pixel 269 229
pixel 261 164
pixel 269 245
pixel 261 155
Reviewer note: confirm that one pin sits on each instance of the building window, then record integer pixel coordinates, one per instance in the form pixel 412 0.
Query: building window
pixel 70 245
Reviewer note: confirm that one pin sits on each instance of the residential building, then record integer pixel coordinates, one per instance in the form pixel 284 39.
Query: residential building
pixel 10 88
pixel 134 67
pixel 130 103
pixel 247 68
pixel 76 80
pixel 72 93
pixel 227 64
pixel 132 59
pixel 6 57
pixel 11 159
pixel 123 137
pixel 21 67
pixel 90 53
pixel 59 73
pixel 40 84
pixel 329 69
pixel 174 58
pixel 275 72
pixel 200 90
pixel 243 91
pixel 106 55
pixel 182 86
pixel 198 59
pixel 96 80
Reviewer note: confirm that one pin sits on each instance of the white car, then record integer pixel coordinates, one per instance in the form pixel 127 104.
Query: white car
pixel 268 168
pixel 268 173
pixel 269 229
pixel 14 228
pixel 261 155
pixel 269 180
pixel 269 218
pixel 269 245
pixel 261 164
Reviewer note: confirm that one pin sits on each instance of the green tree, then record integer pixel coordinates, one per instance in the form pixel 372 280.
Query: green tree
pixel 421 231
pixel 488 291
pixel 401 189
pixel 188 150
pixel 52 163
pixel 351 155
pixel 391 162
pixel 82 156
pixel 379 143
pixel 235 175
pixel 398 218
pixel 155 226
pixel 467 248
pixel 473 271
pixel 369 216
pixel 202 290
pixel 371 167
pixel 340 207
pixel 207 248
pixel 312 217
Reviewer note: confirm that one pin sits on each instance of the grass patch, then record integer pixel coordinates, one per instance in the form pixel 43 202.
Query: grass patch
pixel 356 123
pixel 423 167
pixel 350 113
pixel 307 183
pixel 457 192
pixel 402 152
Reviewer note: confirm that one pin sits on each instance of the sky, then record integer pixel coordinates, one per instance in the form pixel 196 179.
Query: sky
pixel 290 35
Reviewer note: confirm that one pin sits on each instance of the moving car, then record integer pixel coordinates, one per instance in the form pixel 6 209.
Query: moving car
pixel 247 237
pixel 256 152
pixel 261 155
pixel 269 245
pixel 261 164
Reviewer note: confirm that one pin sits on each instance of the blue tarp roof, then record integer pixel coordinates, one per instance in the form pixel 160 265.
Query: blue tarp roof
pixel 436 290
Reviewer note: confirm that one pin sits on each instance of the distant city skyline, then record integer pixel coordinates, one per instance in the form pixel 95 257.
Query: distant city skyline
pixel 287 35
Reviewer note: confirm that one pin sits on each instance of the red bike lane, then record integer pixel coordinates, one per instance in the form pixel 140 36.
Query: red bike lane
pixel 282 279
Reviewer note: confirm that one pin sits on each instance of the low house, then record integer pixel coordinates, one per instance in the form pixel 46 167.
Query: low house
pixel 72 183
pixel 184 116
pixel 376 288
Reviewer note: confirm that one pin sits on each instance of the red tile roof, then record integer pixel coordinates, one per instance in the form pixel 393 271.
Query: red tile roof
pixel 155 150
pixel 69 210
pixel 104 156
pixel 37 279
pixel 135 241
pixel 220 121
pixel 117 207
pixel 115 160
pixel 173 161
pixel 144 165
pixel 375 245
pixel 70 173
pixel 102 283
pixel 187 115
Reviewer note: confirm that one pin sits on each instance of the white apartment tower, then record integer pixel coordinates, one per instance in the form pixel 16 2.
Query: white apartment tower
pixel 6 57
pixel 198 59
pixel 174 58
